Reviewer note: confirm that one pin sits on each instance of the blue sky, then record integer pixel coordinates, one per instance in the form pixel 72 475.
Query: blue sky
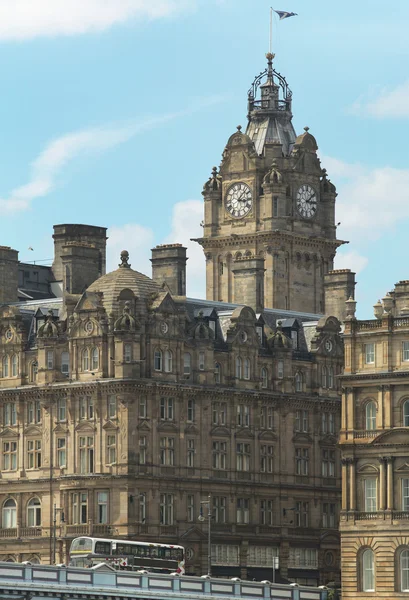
pixel 113 113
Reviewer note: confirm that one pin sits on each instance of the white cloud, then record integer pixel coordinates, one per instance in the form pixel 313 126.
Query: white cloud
pixel 186 218
pixel 350 260
pixel 384 103
pixel 58 153
pixel 28 19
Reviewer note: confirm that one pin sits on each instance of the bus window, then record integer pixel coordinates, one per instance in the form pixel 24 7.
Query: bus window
pixel 154 553
pixel 81 544
pixel 103 548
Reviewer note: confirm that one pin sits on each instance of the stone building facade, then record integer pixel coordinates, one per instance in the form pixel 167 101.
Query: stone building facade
pixel 374 442
pixel 124 404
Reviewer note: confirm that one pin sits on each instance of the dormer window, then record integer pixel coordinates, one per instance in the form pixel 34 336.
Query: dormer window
pixel 212 326
pixel 294 339
pixel 259 331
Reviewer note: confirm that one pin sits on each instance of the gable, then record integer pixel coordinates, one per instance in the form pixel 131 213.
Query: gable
pixel 110 425
pixel 85 427
pixel 398 436
pixel 9 433
pixel 32 430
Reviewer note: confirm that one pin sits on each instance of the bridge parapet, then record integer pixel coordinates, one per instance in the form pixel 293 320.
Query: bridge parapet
pixel 24 581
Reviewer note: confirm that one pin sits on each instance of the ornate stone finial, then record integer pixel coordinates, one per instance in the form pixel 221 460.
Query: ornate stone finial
pixel 279 324
pixel 378 310
pixel 270 56
pixel 124 260
pixel 324 173
pixel 238 128
pixel 350 308
pixel 306 129
pixel 387 303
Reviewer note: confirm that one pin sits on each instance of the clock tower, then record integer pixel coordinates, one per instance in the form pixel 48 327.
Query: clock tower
pixel 269 221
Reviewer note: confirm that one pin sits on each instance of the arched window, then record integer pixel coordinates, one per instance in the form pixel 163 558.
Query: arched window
pixel 34 513
pixel 238 367
pixel 9 514
pixel 264 377
pixel 186 363
pixel 324 381
pixel 406 413
pixel 217 373
pixel 370 415
pixel 168 361
pixel 368 571
pixel 157 360
pixel 65 363
pixel 14 365
pixel 246 368
pixel 404 570
pixel 35 560
pixel 85 359
pixel 330 378
pixel 298 382
pixel 94 359
pixel 5 366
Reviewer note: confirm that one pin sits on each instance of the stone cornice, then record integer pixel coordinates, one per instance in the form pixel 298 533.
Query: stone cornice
pixel 268 236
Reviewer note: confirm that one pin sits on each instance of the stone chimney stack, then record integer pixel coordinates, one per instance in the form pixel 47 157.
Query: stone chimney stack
pixel 8 275
pixel 169 266
pixel 339 286
pixel 80 267
pixel 80 235
pixel 249 282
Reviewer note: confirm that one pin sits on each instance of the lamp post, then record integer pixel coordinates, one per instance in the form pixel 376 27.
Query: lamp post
pixel 208 503
pixel 56 510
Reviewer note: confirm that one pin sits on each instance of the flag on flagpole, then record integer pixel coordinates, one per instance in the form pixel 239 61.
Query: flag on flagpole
pixel 283 14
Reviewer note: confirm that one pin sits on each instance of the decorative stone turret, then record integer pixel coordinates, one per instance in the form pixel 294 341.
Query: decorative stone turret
pixel 339 286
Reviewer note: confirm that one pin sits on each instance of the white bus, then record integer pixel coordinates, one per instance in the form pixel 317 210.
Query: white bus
pixel 127 555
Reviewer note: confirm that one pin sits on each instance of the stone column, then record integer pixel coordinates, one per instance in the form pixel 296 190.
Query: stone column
pixel 389 461
pixel 344 501
pixel 382 484
pixel 352 490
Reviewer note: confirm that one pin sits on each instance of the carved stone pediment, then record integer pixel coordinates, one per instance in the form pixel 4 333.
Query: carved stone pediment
pixel 191 428
pixel 328 440
pixel 165 426
pixel 221 431
pixel 302 438
pixel 110 426
pixel 85 427
pixel 267 435
pixel 144 426
pixel 368 468
pixel 59 428
pixel 9 433
pixel 396 436
pixel 32 430
pixel 192 534
pixel 244 433
pixel 403 468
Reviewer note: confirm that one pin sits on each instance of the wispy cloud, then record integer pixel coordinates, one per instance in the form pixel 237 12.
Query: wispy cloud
pixel 28 19
pixel 384 103
pixel 46 168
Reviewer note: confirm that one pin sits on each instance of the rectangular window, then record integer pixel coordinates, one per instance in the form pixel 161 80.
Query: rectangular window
pixel 219 455
pixel 50 359
pixel 142 507
pixel 306 558
pixel 405 351
pixel 186 363
pixel 327 423
pixel 86 407
pixel 405 495
pixel 294 339
pixel 301 461
pixel 111 449
pixel 190 453
pixel 243 457
pixel 191 508
pixel 201 361
pixel 34 454
pixel 263 556
pixel 34 412
pixel 127 353
pixel 266 417
pixel 243 415
pixel 9 456
pixel 280 369
pixel 143 407
pixel 219 411
pixel 242 511
pixel 167 451
pixel 302 514
pixel 266 512
pixel 370 494
pixel 166 509
pixel 328 515
pixel 225 554
pixel 266 458
pixel 86 445
pixel 61 409
pixel 166 409
pixel 275 206
pixel 142 450
pixel 328 463
pixel 191 410
pixel 301 420
pixel 79 508
pixel 111 407
pixel 61 452
pixel 10 413
pixel 102 508
pixel 219 509
pixel 369 354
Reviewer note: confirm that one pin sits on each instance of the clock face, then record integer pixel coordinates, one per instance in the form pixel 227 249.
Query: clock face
pixel 328 345
pixel 239 200
pixel 306 201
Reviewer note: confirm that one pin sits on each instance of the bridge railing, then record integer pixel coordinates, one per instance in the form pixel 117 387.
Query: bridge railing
pixel 22 578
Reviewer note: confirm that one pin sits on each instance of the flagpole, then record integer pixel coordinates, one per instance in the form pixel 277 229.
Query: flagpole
pixel 271 31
